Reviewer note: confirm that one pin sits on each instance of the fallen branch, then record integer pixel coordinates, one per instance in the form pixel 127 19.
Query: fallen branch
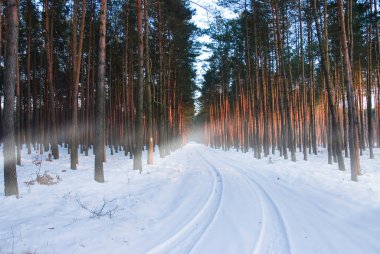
pixel 101 211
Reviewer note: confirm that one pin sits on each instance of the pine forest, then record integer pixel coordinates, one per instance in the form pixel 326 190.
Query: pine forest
pixel 184 121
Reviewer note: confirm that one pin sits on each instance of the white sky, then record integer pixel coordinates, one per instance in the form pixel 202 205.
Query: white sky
pixel 202 19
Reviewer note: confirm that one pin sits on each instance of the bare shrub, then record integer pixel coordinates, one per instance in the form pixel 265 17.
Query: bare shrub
pixel 45 178
pixel 103 210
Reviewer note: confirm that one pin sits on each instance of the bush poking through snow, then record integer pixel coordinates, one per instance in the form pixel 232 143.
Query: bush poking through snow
pixel 45 178
pixel 103 210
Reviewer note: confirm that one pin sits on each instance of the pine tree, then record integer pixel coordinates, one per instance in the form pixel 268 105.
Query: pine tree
pixel 137 160
pixel 100 98
pixel 10 175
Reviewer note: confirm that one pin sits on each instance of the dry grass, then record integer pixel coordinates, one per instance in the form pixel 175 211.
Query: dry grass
pixel 44 179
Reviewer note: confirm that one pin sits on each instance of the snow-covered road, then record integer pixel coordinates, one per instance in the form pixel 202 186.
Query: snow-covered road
pixel 254 211
pixel 198 200
pixel 294 218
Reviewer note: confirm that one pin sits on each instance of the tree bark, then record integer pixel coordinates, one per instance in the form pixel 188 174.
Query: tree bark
pixel 28 128
pixel 352 116
pixel 10 175
pixel 1 85
pixel 137 161
pixel 49 80
pixel 161 82
pixel 18 113
pixel 369 89
pixel 148 86
pixel 330 94
pixel 100 97
pixel 76 58
pixel 289 132
pixel 304 138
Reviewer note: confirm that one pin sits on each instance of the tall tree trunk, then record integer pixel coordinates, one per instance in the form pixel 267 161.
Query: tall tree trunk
pixel 304 138
pixel 311 96
pixel 88 75
pixel 18 113
pixel 10 175
pixel 137 161
pixel 377 55
pixel 28 131
pixel 345 144
pixel 285 94
pixel 369 88
pixel 148 86
pixel 73 98
pixel 36 132
pixel 330 93
pixel 1 83
pixel 352 116
pixel 161 82
pixel 127 135
pixel 76 59
pixel 100 97
pixel 256 88
pixel 49 80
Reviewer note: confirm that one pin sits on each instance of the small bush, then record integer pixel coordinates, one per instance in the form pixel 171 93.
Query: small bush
pixel 47 179
pixel 44 179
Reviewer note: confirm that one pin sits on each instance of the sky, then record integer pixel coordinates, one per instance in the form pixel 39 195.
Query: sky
pixel 203 18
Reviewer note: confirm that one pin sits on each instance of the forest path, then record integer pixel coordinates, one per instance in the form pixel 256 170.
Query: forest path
pixel 196 200
pixel 255 211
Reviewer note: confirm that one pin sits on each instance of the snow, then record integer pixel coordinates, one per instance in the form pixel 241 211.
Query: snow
pixel 197 200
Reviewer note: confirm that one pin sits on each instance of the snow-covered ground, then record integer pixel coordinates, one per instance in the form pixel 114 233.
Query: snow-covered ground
pixel 197 200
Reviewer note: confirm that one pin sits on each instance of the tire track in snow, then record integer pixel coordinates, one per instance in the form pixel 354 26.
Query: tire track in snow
pixel 327 221
pixel 273 235
pixel 219 176
pixel 186 238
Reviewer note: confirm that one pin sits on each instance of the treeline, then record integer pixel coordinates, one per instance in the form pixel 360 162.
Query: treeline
pixel 85 72
pixel 291 75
